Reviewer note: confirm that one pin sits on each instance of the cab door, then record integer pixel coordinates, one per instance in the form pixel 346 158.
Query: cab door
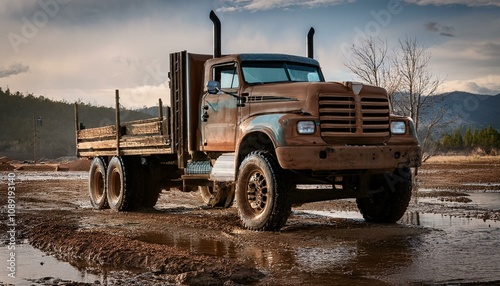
pixel 219 111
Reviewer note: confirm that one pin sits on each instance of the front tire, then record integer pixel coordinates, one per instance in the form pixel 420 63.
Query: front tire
pixel 97 184
pixel 263 193
pixel 389 205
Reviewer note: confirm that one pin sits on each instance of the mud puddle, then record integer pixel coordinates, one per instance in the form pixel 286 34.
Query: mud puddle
pixel 192 243
pixel 461 250
pixel 421 248
pixel 483 200
pixel 486 201
pixel 31 262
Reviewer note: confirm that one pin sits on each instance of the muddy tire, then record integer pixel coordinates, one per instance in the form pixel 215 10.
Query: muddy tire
pixel 97 184
pixel 123 181
pixel 222 197
pixel 151 194
pixel 152 184
pixel 389 205
pixel 263 193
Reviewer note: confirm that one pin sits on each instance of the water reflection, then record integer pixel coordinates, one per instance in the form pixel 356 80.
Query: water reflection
pixel 446 222
pixel 34 263
pixel 191 243
pixel 261 256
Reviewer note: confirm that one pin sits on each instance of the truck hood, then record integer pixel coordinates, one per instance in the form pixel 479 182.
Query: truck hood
pixel 299 97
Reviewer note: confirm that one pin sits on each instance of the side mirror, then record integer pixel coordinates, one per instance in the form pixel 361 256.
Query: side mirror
pixel 213 87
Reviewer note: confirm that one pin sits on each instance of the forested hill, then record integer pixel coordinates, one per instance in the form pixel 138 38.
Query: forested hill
pixel 56 129
pixel 472 110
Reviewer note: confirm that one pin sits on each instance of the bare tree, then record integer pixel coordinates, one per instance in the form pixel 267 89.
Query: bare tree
pixel 371 63
pixel 417 83
pixel 417 93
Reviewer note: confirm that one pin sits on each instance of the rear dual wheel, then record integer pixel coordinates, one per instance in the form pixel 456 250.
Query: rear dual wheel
pixel 97 183
pixel 124 180
pixel 124 184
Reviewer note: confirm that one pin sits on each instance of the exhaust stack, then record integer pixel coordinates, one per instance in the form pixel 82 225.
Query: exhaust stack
pixel 217 34
pixel 310 43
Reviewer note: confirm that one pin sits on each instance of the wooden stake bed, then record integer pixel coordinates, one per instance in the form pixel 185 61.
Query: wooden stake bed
pixel 141 137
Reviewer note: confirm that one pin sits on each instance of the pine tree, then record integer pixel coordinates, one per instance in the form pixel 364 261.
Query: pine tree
pixel 468 142
pixel 458 141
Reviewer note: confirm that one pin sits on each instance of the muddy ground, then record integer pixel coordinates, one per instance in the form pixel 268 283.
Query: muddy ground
pixel 180 242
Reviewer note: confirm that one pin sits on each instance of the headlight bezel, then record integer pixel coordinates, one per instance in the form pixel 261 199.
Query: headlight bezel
pixel 398 127
pixel 306 127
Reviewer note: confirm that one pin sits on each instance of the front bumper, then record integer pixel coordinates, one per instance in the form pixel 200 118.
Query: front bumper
pixel 337 158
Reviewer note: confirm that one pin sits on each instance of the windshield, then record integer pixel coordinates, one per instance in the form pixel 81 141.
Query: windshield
pixel 260 72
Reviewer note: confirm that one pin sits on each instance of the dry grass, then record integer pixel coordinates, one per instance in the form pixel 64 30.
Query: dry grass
pixel 474 159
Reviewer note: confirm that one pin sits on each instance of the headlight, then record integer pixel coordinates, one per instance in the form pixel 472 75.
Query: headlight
pixel 306 127
pixel 398 127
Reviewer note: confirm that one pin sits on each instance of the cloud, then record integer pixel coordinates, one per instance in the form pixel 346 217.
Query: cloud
pixel 13 69
pixel 480 57
pixel 90 60
pixel 261 5
pixel 470 3
pixel 133 97
pixel 435 27
pixel 484 85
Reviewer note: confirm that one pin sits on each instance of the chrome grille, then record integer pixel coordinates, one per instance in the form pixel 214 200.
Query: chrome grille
pixel 354 119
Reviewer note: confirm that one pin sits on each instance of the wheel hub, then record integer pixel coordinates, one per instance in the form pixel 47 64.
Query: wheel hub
pixel 257 191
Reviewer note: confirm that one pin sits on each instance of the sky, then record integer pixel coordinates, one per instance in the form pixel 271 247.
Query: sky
pixel 82 50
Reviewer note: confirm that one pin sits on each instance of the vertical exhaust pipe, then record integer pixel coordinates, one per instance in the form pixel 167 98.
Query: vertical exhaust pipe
pixel 217 34
pixel 310 43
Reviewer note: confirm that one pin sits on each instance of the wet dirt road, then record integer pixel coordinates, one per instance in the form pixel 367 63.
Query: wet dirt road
pixel 449 236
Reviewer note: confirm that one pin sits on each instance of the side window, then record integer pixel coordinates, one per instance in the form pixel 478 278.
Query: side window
pixel 227 75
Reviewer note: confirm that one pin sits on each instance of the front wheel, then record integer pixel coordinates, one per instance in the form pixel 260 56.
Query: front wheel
pixel 389 205
pixel 263 193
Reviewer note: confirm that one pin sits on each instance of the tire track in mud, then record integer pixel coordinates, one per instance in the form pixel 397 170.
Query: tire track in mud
pixel 102 250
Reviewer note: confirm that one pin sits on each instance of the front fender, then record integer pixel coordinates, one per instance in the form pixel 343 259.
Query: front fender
pixel 272 125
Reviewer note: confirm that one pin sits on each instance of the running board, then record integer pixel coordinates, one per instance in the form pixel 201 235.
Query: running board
pixel 224 168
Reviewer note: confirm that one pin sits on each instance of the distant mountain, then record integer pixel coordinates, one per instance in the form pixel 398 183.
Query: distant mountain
pixel 55 124
pixel 463 109
pixel 472 110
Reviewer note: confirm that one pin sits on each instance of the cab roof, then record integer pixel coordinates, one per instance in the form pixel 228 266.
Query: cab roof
pixel 278 58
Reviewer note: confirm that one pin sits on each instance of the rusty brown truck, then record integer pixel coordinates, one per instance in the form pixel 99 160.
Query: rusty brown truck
pixel 257 129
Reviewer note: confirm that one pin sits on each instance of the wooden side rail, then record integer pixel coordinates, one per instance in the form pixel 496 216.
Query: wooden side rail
pixel 139 137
